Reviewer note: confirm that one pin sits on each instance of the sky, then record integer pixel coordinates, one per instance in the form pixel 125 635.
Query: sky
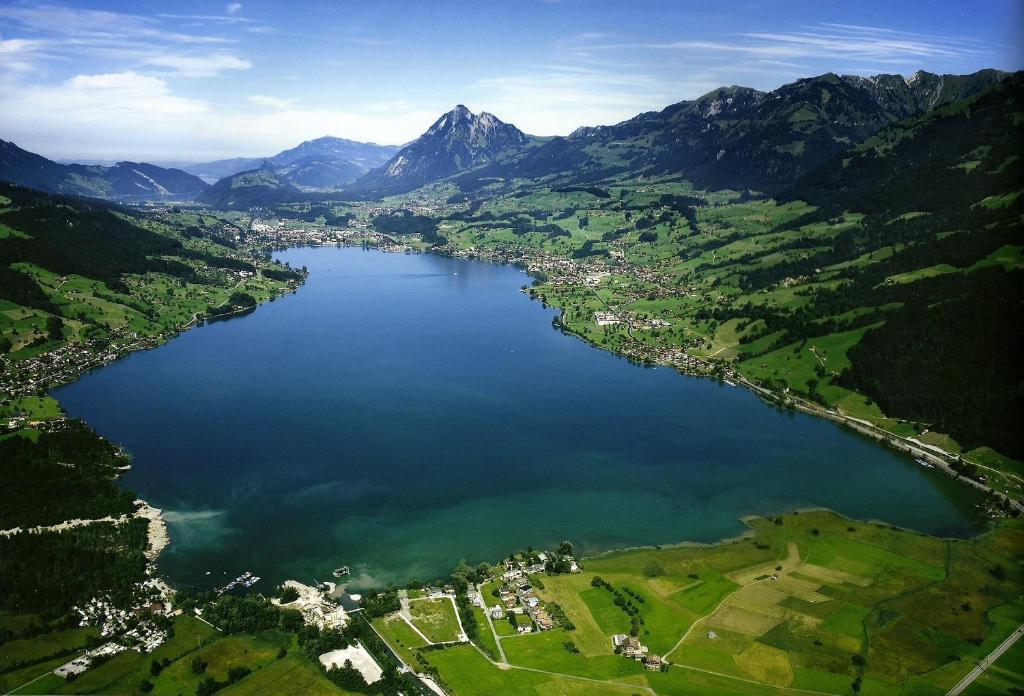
pixel 191 81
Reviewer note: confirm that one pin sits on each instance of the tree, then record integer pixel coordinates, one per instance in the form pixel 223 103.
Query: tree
pixel 287 594
pixel 291 620
pixel 208 687
pixel 238 673
pixel 347 677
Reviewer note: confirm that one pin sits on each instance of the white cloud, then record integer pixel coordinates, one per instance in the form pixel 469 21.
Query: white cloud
pixel 22 55
pixel 270 102
pixel 198 65
pixel 233 7
pixel 113 27
pixel 825 41
pixel 58 33
pixel 128 115
pixel 559 99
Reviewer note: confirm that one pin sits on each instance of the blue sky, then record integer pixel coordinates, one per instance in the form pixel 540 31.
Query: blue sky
pixel 191 81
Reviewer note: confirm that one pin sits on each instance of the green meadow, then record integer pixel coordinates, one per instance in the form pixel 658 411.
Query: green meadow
pixel 809 601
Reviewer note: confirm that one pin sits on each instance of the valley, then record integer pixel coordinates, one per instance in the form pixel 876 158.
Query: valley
pixel 841 249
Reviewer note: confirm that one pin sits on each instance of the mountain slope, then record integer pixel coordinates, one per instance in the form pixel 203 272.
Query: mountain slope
pixel 332 155
pixel 123 181
pixel 364 156
pixel 261 186
pixel 459 140
pixel 885 285
pixel 210 172
pixel 946 190
pixel 320 173
pixel 738 137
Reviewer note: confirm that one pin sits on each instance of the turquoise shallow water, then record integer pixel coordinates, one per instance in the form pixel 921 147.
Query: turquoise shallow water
pixel 402 412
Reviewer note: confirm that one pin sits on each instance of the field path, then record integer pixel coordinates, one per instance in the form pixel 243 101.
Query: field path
pixel 407 618
pixel 986 662
pixel 792 560
pixel 490 625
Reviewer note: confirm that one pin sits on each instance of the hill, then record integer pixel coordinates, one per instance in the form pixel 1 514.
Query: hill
pixel 123 181
pixel 330 162
pixel 870 289
pixel 210 172
pixel 737 137
pixel 262 186
pixel 364 156
pixel 459 140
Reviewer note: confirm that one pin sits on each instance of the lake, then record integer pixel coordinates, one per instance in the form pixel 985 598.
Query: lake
pixel 402 412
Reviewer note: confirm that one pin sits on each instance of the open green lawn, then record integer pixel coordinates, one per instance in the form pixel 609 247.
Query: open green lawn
pixel 29 650
pixel 193 639
pixel 483 634
pixel 467 673
pixel 294 675
pixel 841 588
pixel 435 618
pixel 400 636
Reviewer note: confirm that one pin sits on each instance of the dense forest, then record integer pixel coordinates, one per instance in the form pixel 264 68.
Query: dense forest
pixel 76 462
pixel 50 572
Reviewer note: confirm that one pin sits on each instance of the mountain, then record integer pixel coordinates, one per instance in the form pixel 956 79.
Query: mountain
pixel 365 156
pixel 261 186
pixel 218 169
pixel 948 159
pixel 329 162
pixel 123 181
pixel 738 137
pixel 943 192
pixel 320 173
pixel 459 140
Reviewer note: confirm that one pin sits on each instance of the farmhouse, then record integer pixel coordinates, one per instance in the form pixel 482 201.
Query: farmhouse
pixel 628 646
pixel 654 663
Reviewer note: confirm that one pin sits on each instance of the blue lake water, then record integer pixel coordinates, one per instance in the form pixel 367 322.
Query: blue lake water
pixel 402 412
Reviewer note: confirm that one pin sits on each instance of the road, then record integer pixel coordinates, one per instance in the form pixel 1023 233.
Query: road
pixel 490 626
pixel 986 662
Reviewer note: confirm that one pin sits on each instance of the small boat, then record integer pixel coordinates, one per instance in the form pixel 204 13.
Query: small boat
pixel 341 572
pixel 925 463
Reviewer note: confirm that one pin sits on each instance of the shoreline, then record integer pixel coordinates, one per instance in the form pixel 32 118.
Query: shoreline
pixel 159 537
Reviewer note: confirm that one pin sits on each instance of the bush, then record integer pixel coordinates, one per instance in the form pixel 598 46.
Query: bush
pixel 287 595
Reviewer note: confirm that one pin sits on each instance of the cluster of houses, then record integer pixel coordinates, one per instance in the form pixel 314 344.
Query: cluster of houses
pixel 631 647
pixel 133 627
pixel 277 234
pixel 65 363
pixel 517 596
pixel 128 630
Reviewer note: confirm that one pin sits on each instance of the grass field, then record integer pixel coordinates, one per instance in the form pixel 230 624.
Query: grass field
pixel 400 636
pixel 808 601
pixel 192 640
pixel 436 619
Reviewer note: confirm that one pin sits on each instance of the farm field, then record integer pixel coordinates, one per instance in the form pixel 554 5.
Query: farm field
pixel 805 601
pixel 436 619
